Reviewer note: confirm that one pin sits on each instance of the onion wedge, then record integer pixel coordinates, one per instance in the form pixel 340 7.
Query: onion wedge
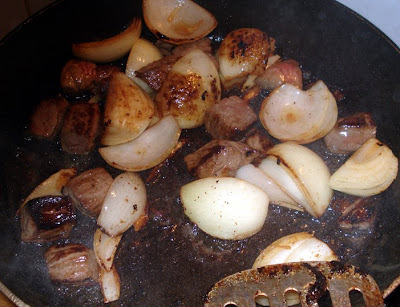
pixel 112 48
pixel 52 185
pixel 152 147
pixel 290 114
pixel 110 285
pixel 177 21
pixel 369 171
pixel 123 205
pixel 105 248
pixel 224 207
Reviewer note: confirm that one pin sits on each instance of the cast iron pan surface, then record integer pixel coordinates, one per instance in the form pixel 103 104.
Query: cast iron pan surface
pixel 170 262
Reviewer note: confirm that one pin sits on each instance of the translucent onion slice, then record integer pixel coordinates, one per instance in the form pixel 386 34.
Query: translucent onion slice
pixel 128 111
pixel 177 21
pixel 112 48
pixel 224 207
pixel 52 185
pixel 142 53
pixel 190 88
pixel 369 171
pixel 276 195
pixel 123 205
pixel 290 114
pixel 110 285
pixel 105 248
pixel 152 147
pixel 304 167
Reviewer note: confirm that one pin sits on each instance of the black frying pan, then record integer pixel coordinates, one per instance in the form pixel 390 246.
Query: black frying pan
pixel 170 262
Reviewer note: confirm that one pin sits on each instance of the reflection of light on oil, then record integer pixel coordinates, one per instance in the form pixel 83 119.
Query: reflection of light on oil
pixel 113 194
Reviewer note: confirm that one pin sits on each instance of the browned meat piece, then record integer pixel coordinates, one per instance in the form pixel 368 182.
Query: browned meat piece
pixel 356 212
pixel 350 133
pixel 71 264
pixel 81 127
pixel 47 218
pixel 203 44
pixel 219 158
pixel 88 190
pixel 281 72
pixel 155 73
pixel 259 141
pixel 79 76
pixel 46 120
pixel 229 118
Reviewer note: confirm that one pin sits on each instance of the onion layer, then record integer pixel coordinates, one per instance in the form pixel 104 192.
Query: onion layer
pixel 123 205
pixel 105 248
pixel 225 207
pixel 369 171
pixel 112 48
pixel 290 114
pixel 110 285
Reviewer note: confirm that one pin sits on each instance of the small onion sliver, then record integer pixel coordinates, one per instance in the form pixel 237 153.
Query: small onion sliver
pixel 225 207
pixel 123 205
pixel 110 285
pixel 105 248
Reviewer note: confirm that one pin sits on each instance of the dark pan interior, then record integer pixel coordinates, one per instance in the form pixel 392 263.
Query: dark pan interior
pixel 170 262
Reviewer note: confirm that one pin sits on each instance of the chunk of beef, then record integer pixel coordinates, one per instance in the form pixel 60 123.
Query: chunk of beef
pixel 350 133
pixel 79 76
pixel 47 118
pixel 219 158
pixel 259 141
pixel 81 127
pixel 71 264
pixel 229 118
pixel 281 72
pixel 155 73
pixel 88 190
pixel 47 218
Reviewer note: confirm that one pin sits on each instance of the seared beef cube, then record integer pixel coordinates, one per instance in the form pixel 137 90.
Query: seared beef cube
pixel 88 190
pixel 47 218
pixel 356 212
pixel 155 73
pixel 219 158
pixel 78 76
pixel 81 127
pixel 281 72
pixel 46 120
pixel 350 133
pixel 71 264
pixel 229 118
pixel 259 141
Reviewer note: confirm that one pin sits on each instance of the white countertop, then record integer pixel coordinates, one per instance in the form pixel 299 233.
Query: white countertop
pixel 384 14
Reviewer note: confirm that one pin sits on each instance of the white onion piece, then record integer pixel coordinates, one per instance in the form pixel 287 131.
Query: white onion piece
pixel 276 195
pixel 123 205
pixel 291 114
pixel 272 168
pixel 142 53
pixel 177 21
pixel 105 248
pixel 52 185
pixel 190 88
pixel 242 52
pixel 309 172
pixel 128 111
pixel 152 147
pixel 112 48
pixel 110 285
pixel 369 171
pixel 224 207
pixel 295 247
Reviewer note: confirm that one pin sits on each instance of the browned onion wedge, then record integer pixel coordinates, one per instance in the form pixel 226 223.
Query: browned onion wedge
pixel 290 114
pixel 112 48
pixel 110 285
pixel 123 205
pixel 105 248
pixel 178 21
pixel 152 147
